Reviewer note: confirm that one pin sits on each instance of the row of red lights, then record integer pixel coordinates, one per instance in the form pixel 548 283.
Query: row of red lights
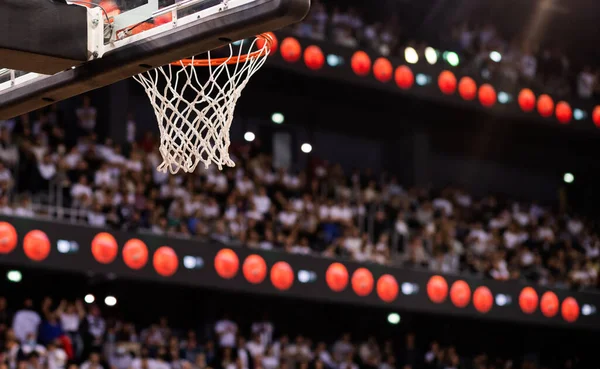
pixel 165 261
pixel 383 71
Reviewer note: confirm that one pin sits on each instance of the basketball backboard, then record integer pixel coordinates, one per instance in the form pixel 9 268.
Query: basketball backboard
pixel 128 37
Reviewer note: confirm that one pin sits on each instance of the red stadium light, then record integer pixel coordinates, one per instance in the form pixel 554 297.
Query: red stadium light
pixel 467 88
pixel 104 248
pixel 437 289
pixel 227 263
pixel 460 294
pixel 563 112
pixel 135 254
pixel 526 100
pixel 362 282
pixel 596 116
pixel 447 82
pixel 165 261
pixel 570 310
pixel 487 95
pixel 361 63
pixel 8 238
pixel 337 277
pixel 387 288
pixel 528 300
pixel 382 69
pixel 254 269
pixel 36 245
pixel 404 77
pixel 483 299
pixel 314 58
pixel 545 106
pixel 549 304
pixel 282 276
pixel 291 50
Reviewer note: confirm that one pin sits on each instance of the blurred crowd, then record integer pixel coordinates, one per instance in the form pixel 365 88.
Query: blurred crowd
pixel 481 48
pixel 321 210
pixel 74 335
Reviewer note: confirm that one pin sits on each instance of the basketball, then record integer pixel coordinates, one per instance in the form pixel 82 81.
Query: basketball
pixel 460 294
pixel 104 248
pixel 528 300
pixel 291 50
pixel 404 77
pixel 8 238
pixel 282 276
pixel 36 245
pixel 362 282
pixel 336 277
pixel 254 269
pixel 437 289
pixel 382 69
pixel 135 254
pixel 227 263
pixel 165 261
pixel 467 88
pixel 526 100
pixel 274 43
pixel 361 63
pixel 483 299
pixel 447 82
pixel 549 304
pixel 387 288
pixel 313 57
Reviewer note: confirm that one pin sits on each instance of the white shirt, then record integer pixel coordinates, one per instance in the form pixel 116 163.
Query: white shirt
pixel 444 205
pixel 57 359
pixel 25 322
pixel 87 117
pixel 227 330
pixel 69 322
pixel 265 330
pixel 103 178
pixel 79 190
pixel 262 203
pixel 287 218
pixel 255 348
pixel 47 171
pixel 585 84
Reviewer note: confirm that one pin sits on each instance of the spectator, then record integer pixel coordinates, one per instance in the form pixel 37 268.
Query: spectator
pixel 86 116
pixel 26 321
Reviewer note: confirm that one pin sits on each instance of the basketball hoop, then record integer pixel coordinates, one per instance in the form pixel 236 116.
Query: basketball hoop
pixel 194 117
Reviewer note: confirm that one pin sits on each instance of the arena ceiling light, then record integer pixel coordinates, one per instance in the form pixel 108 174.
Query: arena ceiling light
pixel 14 276
pixel 503 97
pixel 587 309
pixel 569 178
pixel 496 56
pixel 451 58
pixel 110 301
pixel 393 318
pixel 277 118
pixel 422 79
pixel 333 60
pixel 306 148
pixel 89 298
pixel 579 114
pixel 431 55
pixel 249 136
pixel 411 56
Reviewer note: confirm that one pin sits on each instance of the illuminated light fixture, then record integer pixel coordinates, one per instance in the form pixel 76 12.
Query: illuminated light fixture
pixel 496 56
pixel 502 300
pixel 431 55
pixel 249 136
pixel 14 276
pixel 333 60
pixel 579 114
pixel 393 318
pixel 110 301
pixel 306 148
pixel 569 178
pixel 277 118
pixel 422 79
pixel 504 98
pixel 588 309
pixel 306 276
pixel 411 56
pixel 409 288
pixel 89 298
pixel 451 58
pixel 189 262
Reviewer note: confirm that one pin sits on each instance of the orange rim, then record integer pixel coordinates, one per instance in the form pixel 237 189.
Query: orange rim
pixel 230 60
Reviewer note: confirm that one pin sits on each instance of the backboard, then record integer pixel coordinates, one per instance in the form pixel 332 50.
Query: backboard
pixel 128 37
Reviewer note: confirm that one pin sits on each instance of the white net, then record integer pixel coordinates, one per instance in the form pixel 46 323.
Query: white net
pixel 194 117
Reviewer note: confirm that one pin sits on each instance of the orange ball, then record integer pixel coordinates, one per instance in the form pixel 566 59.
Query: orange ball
pixel 227 263
pixel 362 282
pixel 545 106
pixel 387 288
pixel 437 289
pixel 467 88
pixel 447 82
pixel 8 238
pixel 165 261
pixel 483 299
pixel 460 294
pixel 361 63
pixel 526 100
pixel 104 248
pixel 36 245
pixel 313 57
pixel 254 269
pixel 487 95
pixel 274 43
pixel 282 275
pixel 336 277
pixel 382 69
pixel 570 309
pixel 135 254
pixel 549 304
pixel 291 50
pixel 528 300
pixel 596 116
pixel 404 77
pixel 563 112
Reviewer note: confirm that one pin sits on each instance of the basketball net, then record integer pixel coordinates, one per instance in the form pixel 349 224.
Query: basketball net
pixel 194 117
